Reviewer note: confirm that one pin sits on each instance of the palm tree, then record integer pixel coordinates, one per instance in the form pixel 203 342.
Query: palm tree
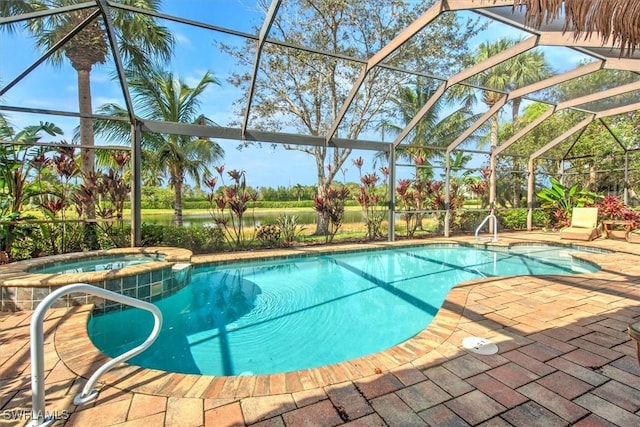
pixel 139 39
pixel 159 95
pixel 522 70
pixel 298 190
pixel 432 131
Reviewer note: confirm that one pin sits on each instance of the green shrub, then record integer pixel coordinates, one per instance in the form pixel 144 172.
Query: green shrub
pixel 541 218
pixel 470 220
pixel 269 234
pixel 197 238
pixel 513 219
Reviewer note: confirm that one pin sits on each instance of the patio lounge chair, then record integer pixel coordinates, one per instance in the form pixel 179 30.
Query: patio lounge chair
pixel 584 225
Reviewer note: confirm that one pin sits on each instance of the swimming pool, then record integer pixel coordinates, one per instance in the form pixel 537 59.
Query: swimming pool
pixel 297 313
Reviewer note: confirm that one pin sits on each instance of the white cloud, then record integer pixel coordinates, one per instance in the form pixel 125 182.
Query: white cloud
pixel 100 77
pixel 101 100
pixel 182 40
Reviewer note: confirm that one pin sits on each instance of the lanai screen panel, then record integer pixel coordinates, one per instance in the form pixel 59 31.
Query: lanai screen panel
pixel 438 50
pixel 243 16
pixel 595 82
pixel 611 102
pixel 298 91
pixel 356 28
pixel 550 130
pixel 52 84
pixel 627 136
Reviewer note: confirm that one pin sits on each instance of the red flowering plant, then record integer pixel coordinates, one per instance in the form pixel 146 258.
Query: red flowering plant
pixel 331 207
pixel 229 205
pixel 611 207
pixel 373 199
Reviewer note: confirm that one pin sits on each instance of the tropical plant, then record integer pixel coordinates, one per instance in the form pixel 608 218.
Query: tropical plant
pixel 290 228
pixel 18 161
pixel 611 207
pixel 269 234
pixel 373 199
pixel 408 199
pixel 561 200
pixel 160 95
pixel 139 40
pixel 433 130
pixel 331 208
pixel 229 206
pixel 559 197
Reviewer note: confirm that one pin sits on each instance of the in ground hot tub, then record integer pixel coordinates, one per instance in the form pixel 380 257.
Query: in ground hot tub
pixel 143 273
pixel 95 263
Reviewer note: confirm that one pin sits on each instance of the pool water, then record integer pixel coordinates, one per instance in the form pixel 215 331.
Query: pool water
pixel 290 314
pixel 110 262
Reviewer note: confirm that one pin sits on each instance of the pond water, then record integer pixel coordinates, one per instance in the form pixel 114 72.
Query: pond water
pixel 260 217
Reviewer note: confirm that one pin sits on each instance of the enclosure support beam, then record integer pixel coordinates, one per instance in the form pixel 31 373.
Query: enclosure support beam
pixel 392 193
pixel 50 52
pixel 416 26
pixel 447 195
pixel 136 186
pixel 505 55
pixel 577 128
pixel 117 58
pixel 264 32
pixel 531 183
pixel 492 183
pixel 626 178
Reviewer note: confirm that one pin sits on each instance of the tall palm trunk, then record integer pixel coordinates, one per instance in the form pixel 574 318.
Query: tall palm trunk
pixel 177 209
pixel 516 184
pixel 515 111
pixel 494 131
pixel 87 154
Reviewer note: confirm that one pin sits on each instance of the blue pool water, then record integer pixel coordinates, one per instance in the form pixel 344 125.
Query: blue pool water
pixel 290 314
pixel 101 263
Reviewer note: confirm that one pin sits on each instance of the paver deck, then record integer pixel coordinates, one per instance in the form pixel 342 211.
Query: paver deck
pixel 564 358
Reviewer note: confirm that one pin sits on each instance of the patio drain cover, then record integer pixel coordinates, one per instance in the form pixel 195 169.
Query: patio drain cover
pixel 479 346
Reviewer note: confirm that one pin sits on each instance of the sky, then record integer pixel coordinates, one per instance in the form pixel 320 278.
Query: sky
pixel 55 88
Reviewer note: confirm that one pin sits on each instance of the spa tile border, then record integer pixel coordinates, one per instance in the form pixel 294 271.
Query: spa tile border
pixel 21 289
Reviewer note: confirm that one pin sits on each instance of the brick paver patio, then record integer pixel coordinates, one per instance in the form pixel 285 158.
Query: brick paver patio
pixel 564 358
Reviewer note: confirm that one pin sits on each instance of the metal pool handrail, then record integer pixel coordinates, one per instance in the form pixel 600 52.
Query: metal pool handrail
pixel 495 228
pixel 39 416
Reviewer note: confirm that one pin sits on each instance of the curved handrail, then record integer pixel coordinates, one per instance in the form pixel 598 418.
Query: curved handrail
pixel 495 227
pixel 39 416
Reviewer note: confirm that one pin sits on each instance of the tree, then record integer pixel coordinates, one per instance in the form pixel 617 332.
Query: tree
pixel 298 189
pixel 139 39
pixel 159 95
pixel 432 131
pixel 305 91
pixel 519 71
